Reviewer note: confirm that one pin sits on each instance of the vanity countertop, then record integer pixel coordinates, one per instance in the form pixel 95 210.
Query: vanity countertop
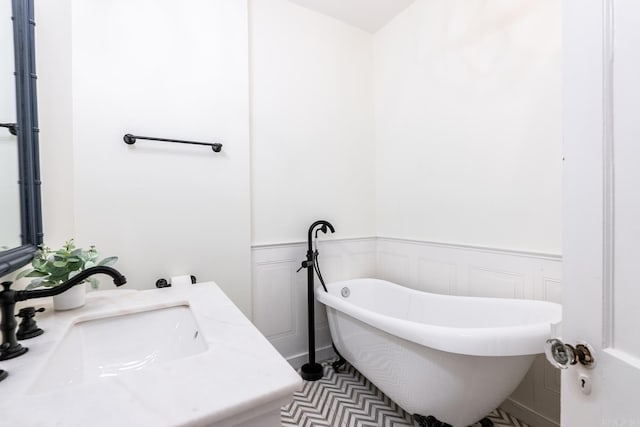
pixel 239 372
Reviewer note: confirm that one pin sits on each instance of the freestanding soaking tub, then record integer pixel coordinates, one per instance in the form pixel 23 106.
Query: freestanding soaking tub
pixel 455 358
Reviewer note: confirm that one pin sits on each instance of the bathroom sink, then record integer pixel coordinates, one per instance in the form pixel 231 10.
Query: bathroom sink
pixel 158 357
pixel 98 349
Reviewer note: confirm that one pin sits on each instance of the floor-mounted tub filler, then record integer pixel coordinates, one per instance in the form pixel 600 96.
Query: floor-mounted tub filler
pixel 451 357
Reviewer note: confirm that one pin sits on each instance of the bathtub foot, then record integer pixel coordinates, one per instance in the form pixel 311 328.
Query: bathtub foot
pixel 341 360
pixel 429 421
pixel 432 421
pixel 338 364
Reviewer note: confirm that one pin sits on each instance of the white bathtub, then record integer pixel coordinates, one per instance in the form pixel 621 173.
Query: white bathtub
pixel 456 358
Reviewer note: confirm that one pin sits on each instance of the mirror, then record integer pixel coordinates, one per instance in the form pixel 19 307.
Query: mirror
pixel 9 190
pixel 21 218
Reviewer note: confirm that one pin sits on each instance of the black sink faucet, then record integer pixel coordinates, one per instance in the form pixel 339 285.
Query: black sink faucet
pixel 10 347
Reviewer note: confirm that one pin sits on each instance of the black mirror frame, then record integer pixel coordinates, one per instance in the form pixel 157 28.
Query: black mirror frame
pixel 28 145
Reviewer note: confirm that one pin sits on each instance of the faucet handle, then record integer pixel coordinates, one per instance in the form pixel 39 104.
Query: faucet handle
pixel 29 311
pixel 28 327
pixel 7 285
pixel 305 264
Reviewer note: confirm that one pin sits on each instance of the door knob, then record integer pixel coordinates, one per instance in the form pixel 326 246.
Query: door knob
pixel 562 355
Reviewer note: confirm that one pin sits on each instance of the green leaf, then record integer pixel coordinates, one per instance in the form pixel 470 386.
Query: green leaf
pixel 89 264
pixel 73 266
pixel 36 273
pixel 61 273
pixel 35 283
pixel 23 273
pixel 76 252
pixel 58 274
pixel 60 264
pixel 44 268
pixel 62 253
pixel 57 279
pixel 109 261
pixel 39 263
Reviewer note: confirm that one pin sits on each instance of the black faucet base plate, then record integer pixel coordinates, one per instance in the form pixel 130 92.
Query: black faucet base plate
pixel 311 372
pixel 31 334
pixel 18 350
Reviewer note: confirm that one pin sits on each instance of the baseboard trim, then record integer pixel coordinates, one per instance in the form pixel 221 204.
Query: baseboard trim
pixel 322 353
pixel 528 415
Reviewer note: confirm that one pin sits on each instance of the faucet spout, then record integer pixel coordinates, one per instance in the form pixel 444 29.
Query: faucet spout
pixel 323 227
pixel 118 280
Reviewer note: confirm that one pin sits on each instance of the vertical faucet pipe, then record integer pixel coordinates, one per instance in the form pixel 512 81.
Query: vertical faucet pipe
pixel 312 371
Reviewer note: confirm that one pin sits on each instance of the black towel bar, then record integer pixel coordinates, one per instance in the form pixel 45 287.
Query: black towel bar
pixel 131 139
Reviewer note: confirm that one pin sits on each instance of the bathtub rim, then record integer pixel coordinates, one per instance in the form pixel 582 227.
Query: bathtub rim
pixel 517 340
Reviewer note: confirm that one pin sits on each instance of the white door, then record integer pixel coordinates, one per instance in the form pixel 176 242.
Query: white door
pixel 602 210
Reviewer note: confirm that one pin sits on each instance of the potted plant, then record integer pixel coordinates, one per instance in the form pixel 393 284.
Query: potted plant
pixel 53 267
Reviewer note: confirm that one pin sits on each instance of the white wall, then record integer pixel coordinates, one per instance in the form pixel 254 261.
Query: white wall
pixel 171 70
pixel 312 153
pixel 159 69
pixel 53 65
pixel 169 209
pixel 468 124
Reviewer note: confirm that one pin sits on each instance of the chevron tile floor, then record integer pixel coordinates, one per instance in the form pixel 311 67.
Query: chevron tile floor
pixel 348 399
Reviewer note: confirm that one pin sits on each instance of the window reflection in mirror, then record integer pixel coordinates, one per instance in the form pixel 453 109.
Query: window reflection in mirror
pixel 9 174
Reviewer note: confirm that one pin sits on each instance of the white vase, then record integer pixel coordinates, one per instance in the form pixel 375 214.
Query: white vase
pixel 72 298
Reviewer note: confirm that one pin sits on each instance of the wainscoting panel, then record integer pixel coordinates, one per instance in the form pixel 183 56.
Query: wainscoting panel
pixel 440 275
pixel 393 267
pixel 552 290
pixel 279 276
pixel 471 271
pixel 279 295
pixel 491 283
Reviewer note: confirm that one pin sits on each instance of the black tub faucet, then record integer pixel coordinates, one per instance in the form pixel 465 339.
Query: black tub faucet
pixel 10 347
pixel 312 371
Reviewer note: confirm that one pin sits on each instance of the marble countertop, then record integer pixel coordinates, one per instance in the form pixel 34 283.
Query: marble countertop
pixel 239 372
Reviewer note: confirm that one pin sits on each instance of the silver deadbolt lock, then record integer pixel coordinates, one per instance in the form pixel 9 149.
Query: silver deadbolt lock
pixel 563 355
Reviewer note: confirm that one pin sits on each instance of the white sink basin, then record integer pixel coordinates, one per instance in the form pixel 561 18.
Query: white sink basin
pixel 101 348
